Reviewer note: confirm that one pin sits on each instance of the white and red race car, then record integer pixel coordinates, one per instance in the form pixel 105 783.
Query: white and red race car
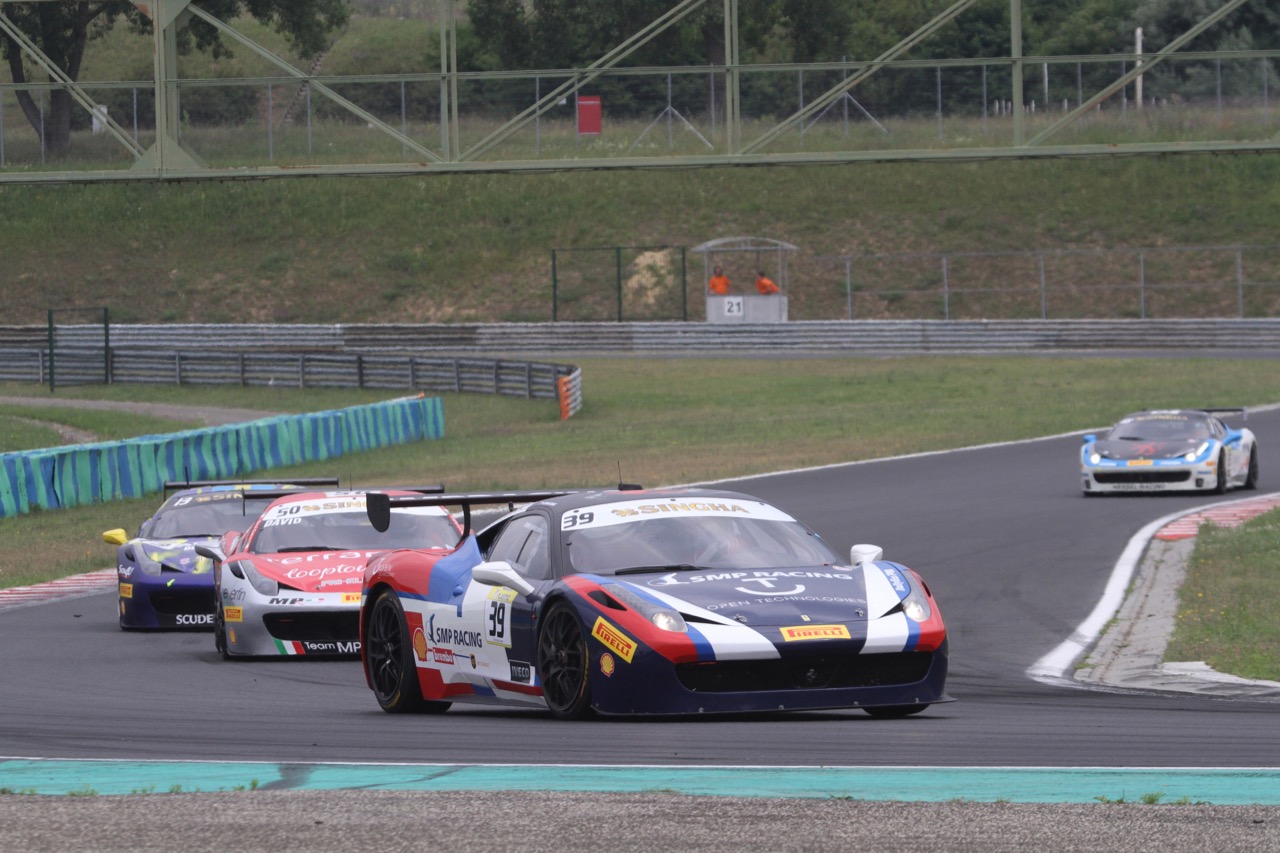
pixel 290 584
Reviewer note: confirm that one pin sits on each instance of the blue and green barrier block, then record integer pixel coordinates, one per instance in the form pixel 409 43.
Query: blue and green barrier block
pixel 92 473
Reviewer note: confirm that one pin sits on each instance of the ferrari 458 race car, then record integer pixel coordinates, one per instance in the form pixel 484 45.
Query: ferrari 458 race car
pixel 162 582
pixel 1170 450
pixel 290 584
pixel 663 602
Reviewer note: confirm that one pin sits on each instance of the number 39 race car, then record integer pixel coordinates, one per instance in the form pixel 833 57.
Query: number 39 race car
pixel 290 584
pixel 1170 450
pixel 662 602
pixel 162 582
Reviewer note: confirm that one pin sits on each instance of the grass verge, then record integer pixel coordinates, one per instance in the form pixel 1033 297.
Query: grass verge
pixel 661 421
pixel 30 428
pixel 1226 613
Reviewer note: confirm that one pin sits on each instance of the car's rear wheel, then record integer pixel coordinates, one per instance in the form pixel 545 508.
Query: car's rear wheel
pixel 1251 481
pixel 562 663
pixel 891 711
pixel 388 651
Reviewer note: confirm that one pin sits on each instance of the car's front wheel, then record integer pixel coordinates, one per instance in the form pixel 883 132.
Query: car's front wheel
pixel 388 651
pixel 220 632
pixel 562 663
pixel 1220 487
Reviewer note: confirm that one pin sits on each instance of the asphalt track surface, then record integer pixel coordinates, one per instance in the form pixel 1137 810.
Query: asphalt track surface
pixel 1016 557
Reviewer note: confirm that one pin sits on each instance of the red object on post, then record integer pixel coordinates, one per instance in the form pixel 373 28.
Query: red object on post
pixel 589 115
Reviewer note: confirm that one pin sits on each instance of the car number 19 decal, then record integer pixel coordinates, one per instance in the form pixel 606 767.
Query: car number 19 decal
pixel 497 620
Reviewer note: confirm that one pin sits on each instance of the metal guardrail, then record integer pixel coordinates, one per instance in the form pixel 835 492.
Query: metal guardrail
pixel 277 344
pixel 296 370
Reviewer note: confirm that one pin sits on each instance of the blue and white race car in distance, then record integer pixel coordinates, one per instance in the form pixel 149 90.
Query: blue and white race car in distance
pixel 1170 450
pixel 162 582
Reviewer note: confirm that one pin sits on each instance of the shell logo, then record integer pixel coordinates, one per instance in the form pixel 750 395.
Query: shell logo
pixel 419 644
pixel 607 664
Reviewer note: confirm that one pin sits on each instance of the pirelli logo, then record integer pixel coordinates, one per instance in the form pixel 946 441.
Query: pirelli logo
pixel 815 632
pixel 233 614
pixel 616 641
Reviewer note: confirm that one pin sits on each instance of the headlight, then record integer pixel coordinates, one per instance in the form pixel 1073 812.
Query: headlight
pixel 1198 452
pixel 916 605
pixel 263 585
pixel 663 617
pixel 1095 458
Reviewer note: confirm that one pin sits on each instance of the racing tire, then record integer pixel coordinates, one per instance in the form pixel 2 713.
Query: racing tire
pixel 388 656
pixel 220 633
pixel 888 712
pixel 1251 480
pixel 562 664
pixel 1220 487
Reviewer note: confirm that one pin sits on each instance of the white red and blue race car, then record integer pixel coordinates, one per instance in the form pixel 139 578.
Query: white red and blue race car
pixel 661 602
pixel 290 584
pixel 161 581
pixel 1170 450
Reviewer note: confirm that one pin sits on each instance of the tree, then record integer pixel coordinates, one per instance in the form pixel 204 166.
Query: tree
pixel 61 30
pixel 572 33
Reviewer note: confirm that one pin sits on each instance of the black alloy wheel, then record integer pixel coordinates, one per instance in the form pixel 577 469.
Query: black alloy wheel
pixel 562 663
pixel 1221 486
pixel 388 653
pixel 1251 481
pixel 220 632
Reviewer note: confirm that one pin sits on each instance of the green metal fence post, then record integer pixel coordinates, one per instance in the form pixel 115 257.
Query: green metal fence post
pixel 51 359
pixel 684 283
pixel 554 305
pixel 617 271
pixel 106 347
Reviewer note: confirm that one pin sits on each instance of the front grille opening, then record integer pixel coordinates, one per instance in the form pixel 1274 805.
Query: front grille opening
pixel 183 602
pixel 813 672
pixel 314 627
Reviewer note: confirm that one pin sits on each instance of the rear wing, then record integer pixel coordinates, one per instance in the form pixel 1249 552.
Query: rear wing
pixel 1229 410
pixel 296 482
pixel 378 505
pixel 272 494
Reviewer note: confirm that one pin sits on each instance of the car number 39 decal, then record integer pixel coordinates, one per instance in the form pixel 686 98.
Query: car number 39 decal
pixel 497 617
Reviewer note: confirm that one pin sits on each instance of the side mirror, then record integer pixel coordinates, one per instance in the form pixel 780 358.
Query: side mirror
pixel 500 573
pixel 865 554
pixel 377 505
pixel 211 552
pixel 115 537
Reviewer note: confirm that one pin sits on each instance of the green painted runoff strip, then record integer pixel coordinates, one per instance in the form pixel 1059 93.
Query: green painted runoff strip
pixel 1212 785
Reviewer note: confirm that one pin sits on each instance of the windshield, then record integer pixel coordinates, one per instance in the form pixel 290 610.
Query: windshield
pixel 1172 428
pixel 204 516
pixel 716 542
pixel 350 530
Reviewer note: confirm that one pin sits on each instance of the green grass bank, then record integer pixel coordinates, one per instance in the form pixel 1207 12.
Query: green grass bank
pixel 477 248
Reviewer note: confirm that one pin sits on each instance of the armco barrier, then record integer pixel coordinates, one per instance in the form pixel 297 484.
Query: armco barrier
pixel 91 473
pixel 22 344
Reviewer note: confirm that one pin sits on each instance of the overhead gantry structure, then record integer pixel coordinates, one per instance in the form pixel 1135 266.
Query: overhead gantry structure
pixel 452 140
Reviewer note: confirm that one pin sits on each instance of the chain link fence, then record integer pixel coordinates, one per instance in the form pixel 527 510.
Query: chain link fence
pixel 1048 284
